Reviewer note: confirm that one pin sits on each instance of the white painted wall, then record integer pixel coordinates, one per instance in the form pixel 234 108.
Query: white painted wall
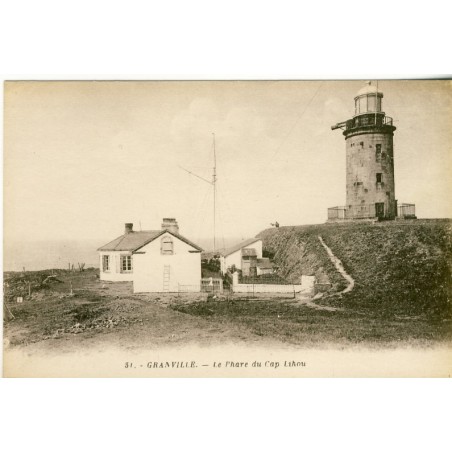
pixel 114 274
pixel 232 259
pixel 185 267
pixel 236 257
pixel 306 286
pixel 264 271
pixel 307 283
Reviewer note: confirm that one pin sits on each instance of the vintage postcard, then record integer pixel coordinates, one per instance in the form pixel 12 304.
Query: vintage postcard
pixel 227 228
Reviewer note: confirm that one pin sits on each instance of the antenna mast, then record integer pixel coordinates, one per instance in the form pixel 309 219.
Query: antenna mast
pixel 376 103
pixel 214 180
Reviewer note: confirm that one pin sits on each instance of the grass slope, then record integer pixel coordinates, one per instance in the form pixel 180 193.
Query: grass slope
pixel 298 325
pixel 400 268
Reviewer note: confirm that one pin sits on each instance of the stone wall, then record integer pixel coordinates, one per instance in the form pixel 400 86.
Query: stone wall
pixel 369 155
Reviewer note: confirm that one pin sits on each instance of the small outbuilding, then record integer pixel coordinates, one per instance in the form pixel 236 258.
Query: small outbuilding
pixel 243 256
pixel 155 261
pixel 265 267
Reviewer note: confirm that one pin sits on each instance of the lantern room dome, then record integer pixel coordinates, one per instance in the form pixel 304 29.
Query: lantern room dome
pixel 368 88
pixel 368 100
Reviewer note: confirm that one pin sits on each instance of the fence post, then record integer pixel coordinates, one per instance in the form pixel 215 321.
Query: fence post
pixel 235 280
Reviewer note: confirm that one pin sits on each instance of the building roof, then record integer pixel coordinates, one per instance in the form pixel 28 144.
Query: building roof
pixel 238 247
pixel 135 240
pixel 265 263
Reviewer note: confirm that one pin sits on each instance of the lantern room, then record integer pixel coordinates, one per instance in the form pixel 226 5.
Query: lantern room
pixel 368 100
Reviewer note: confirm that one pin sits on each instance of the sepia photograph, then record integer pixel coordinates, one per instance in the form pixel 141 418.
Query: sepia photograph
pixel 240 228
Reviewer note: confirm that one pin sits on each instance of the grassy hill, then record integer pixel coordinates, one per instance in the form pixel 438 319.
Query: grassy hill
pixel 400 268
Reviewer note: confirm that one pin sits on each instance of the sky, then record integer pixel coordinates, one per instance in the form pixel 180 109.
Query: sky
pixel 83 158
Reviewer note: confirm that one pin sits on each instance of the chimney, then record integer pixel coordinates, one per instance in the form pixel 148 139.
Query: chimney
pixel 171 225
pixel 128 228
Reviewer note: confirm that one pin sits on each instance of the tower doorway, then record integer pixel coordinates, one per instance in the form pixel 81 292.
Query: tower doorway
pixel 380 210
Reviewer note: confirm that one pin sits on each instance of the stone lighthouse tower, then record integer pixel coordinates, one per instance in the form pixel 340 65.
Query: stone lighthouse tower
pixel 370 190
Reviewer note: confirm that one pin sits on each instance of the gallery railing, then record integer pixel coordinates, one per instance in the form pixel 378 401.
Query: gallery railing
pixel 406 210
pixel 370 119
pixel 358 212
pixel 337 213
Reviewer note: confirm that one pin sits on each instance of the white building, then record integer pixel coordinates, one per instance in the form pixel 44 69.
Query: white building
pixel 242 256
pixel 156 261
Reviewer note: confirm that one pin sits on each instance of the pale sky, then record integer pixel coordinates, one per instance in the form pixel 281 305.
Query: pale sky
pixel 83 158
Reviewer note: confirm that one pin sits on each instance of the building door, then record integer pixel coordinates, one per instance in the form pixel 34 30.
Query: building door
pixel 245 266
pixel 166 278
pixel 380 209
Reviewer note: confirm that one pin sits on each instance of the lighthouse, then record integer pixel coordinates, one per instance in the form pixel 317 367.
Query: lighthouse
pixel 370 187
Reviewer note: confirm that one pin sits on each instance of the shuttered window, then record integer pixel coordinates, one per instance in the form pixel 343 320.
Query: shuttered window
pixel 167 245
pixel 106 263
pixel 126 264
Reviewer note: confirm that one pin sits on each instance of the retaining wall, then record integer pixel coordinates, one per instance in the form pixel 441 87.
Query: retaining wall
pixel 307 285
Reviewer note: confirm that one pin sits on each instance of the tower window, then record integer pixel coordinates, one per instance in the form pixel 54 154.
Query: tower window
pixel 361 144
pixel 378 152
pixel 379 178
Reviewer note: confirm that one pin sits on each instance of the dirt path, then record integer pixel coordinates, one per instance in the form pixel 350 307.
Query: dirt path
pixel 339 267
pixel 310 304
